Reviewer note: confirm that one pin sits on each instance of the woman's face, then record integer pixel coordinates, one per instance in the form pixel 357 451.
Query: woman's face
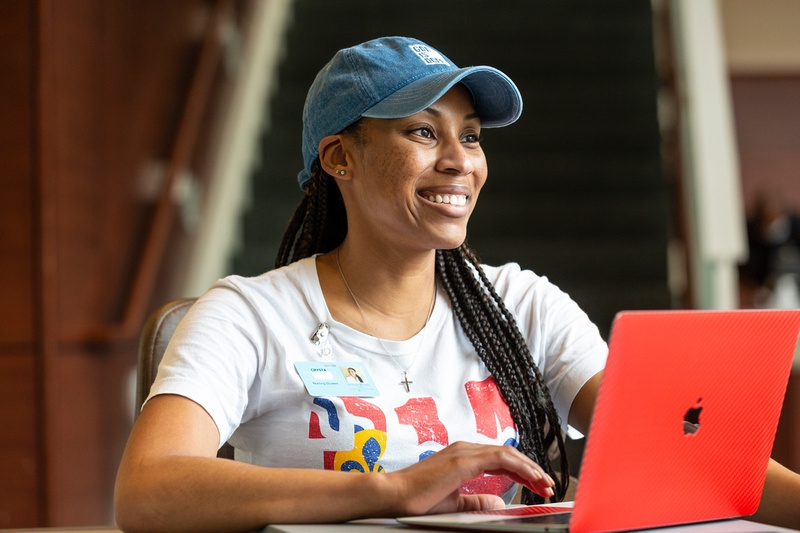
pixel 415 180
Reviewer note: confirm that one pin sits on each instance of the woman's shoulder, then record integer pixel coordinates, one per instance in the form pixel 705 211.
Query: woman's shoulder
pixel 275 285
pixel 260 303
pixel 521 288
pixel 510 276
pixel 300 272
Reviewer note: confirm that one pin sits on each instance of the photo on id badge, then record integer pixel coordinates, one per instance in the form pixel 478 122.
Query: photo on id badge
pixel 352 375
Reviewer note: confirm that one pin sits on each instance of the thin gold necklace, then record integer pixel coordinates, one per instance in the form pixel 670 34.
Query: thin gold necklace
pixel 405 381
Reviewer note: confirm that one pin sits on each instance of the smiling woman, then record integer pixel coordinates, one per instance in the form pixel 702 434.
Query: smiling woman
pixel 473 371
pixel 398 185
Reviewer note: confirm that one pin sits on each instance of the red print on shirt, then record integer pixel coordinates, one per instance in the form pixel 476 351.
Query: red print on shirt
pixel 421 414
pixel 489 407
pixel 314 431
pixel 360 407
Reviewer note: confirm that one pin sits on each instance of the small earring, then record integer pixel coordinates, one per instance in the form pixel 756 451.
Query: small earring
pixel 340 172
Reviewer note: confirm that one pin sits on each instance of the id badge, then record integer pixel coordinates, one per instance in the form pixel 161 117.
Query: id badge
pixel 327 378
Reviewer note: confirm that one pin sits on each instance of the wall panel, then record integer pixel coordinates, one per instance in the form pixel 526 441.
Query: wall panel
pixel 21 504
pixel 767 115
pixel 91 95
pixel 20 468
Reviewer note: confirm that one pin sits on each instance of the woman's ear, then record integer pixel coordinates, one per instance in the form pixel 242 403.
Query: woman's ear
pixel 332 156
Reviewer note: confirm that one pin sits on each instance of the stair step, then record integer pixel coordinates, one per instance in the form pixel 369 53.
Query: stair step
pixel 598 259
pixel 629 216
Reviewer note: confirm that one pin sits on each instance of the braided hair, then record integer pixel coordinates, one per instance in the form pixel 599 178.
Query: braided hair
pixel 319 225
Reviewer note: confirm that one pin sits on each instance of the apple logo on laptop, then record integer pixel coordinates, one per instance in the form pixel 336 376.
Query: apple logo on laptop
pixel 691 420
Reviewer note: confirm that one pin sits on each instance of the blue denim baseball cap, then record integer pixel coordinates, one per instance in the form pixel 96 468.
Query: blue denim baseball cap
pixel 395 77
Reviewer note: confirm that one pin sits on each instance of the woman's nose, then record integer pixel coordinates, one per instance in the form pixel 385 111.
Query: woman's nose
pixel 455 158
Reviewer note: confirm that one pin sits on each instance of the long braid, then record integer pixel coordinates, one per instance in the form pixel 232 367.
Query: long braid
pixel 319 225
pixel 290 235
pixel 494 333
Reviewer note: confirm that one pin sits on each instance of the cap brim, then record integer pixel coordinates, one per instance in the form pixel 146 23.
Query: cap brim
pixel 497 100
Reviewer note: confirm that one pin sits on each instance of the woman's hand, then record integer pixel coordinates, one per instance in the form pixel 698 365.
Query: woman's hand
pixel 432 485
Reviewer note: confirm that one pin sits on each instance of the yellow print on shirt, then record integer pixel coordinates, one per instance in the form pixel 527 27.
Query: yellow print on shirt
pixel 365 455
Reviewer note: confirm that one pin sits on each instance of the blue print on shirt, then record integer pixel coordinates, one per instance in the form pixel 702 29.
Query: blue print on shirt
pixel 333 416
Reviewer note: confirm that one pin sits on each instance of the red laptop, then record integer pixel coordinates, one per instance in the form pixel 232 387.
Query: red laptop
pixel 683 426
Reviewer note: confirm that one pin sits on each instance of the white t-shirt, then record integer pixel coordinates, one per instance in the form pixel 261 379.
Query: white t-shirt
pixel 235 351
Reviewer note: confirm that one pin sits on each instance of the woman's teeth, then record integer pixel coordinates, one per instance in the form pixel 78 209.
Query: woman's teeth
pixel 453 199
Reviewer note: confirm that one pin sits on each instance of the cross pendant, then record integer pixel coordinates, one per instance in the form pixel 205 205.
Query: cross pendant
pixel 406 382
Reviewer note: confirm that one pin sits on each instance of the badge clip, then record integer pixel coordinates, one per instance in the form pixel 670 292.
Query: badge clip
pixel 320 338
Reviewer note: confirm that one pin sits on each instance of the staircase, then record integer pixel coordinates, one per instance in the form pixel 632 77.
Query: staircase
pixel 575 188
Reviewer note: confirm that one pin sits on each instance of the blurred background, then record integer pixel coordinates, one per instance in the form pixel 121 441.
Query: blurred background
pixel 148 148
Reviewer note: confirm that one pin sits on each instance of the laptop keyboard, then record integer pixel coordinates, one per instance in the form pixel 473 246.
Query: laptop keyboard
pixel 525 510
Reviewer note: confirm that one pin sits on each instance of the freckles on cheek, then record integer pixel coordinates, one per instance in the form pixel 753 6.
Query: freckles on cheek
pixel 394 168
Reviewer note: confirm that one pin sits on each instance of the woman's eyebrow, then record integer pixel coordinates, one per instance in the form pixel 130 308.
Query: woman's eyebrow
pixel 436 113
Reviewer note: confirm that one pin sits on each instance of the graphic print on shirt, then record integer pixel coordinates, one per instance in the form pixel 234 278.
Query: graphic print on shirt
pixel 369 443
pixel 491 418
pixel 492 415
pixel 421 414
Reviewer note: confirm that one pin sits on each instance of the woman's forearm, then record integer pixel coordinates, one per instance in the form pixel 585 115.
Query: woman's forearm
pixel 209 494
pixel 779 501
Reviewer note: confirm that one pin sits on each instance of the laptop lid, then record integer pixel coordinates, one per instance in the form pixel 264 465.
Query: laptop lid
pixel 683 425
pixel 685 418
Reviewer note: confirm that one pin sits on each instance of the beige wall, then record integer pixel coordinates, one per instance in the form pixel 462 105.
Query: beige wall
pixel 761 36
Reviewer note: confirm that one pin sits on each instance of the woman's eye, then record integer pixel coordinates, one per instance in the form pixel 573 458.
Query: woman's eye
pixel 423 132
pixel 472 138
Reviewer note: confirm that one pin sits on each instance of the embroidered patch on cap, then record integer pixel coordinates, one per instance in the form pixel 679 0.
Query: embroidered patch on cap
pixel 428 55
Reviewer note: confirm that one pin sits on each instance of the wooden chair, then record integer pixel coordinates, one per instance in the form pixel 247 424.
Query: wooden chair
pixel 156 333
